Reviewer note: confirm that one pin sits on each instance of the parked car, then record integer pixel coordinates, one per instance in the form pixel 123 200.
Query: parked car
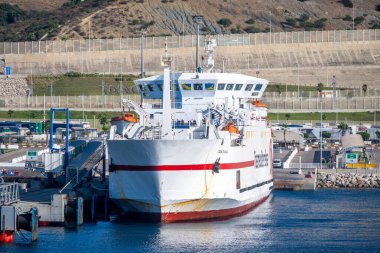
pixel 277 163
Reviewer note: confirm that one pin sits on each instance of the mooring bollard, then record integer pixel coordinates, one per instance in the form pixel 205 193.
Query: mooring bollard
pixel 93 208
pixel 106 216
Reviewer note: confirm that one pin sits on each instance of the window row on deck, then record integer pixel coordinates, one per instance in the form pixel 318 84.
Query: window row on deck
pixel 152 87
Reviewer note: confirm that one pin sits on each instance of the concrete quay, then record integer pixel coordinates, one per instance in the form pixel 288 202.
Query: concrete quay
pixel 291 179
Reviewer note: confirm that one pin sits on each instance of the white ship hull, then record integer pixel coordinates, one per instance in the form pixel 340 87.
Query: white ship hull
pixel 174 180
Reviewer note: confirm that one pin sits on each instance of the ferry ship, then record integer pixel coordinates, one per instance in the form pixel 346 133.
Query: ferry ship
pixel 198 147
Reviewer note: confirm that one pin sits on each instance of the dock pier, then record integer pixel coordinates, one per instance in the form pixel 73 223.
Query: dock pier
pixel 295 179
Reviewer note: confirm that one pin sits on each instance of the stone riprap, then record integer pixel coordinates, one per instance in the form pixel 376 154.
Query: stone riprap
pixel 10 87
pixel 348 180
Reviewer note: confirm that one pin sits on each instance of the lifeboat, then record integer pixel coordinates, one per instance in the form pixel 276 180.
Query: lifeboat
pixel 230 127
pixel 130 117
pixel 258 103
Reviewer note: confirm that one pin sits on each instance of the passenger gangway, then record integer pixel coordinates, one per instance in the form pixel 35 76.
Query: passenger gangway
pixel 87 160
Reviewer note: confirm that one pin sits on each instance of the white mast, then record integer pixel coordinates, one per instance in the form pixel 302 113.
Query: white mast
pixel 166 103
pixel 210 44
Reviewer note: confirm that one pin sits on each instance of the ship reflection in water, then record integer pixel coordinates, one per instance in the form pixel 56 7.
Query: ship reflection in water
pixel 324 220
pixel 247 231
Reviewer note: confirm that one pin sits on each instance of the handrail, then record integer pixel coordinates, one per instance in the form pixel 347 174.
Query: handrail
pixel 9 193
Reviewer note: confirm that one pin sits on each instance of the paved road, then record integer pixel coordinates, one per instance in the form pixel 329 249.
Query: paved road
pixel 7 157
pixel 42 195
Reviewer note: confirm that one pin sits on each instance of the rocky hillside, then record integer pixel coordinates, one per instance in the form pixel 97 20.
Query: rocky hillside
pixel 65 19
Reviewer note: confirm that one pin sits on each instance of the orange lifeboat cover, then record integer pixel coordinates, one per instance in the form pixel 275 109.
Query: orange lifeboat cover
pixel 130 117
pixel 230 127
pixel 258 103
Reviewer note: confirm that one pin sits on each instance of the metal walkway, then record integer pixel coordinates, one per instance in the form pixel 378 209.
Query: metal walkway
pixel 79 167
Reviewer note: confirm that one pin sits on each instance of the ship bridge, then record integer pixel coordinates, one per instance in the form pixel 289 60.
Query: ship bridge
pixel 189 90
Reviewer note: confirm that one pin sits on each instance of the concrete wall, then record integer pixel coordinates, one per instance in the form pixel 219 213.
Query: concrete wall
pixel 353 57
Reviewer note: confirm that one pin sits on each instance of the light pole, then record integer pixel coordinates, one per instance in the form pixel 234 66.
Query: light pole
pixel 320 128
pixel 353 21
pixel 270 23
pixel 270 27
pixel 142 53
pixel 298 67
pixel 51 94
pixel 199 21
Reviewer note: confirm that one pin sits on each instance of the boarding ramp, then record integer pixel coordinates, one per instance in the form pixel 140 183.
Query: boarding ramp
pixel 79 167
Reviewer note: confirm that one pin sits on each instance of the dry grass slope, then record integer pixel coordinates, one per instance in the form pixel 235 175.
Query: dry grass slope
pixel 126 18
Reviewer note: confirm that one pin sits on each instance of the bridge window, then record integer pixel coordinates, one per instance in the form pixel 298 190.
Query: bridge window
pixel 159 86
pixel 249 87
pixel 175 85
pixel 258 87
pixel 238 86
pixel 150 87
pixel 230 86
pixel 198 86
pixel 209 86
pixel 221 86
pixel 142 88
pixel 186 86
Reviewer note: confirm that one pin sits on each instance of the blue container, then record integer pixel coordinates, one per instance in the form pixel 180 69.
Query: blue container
pixel 7 71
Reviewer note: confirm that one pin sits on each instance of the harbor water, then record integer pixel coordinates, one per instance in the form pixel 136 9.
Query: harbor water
pixel 314 221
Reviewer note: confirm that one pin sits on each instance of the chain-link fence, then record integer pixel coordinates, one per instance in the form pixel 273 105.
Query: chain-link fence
pixel 66 46
pixel 327 104
pixel 108 102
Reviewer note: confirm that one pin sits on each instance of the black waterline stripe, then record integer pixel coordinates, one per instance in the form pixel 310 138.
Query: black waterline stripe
pixel 256 185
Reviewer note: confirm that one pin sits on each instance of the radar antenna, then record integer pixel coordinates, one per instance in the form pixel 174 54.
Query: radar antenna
pixel 166 60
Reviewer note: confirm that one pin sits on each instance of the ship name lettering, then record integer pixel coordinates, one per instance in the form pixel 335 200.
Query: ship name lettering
pixel 221 151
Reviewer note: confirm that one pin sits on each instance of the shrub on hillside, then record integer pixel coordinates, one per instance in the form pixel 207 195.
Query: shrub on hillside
pixel 320 23
pixel 10 14
pixel 71 4
pixel 374 25
pixel 303 18
pixel 73 74
pixel 347 18
pixel 236 30
pixel 291 21
pixel 347 3
pixel 224 22
pixel 251 29
pixel 359 20
pixel 250 21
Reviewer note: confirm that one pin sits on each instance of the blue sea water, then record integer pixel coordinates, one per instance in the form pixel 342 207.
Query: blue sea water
pixel 319 221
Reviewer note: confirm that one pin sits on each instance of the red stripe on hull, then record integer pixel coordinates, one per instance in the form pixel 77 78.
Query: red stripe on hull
pixel 222 166
pixel 200 215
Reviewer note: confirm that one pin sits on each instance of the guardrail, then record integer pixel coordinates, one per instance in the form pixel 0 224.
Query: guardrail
pixel 308 165
pixel 9 193
pixel 92 45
